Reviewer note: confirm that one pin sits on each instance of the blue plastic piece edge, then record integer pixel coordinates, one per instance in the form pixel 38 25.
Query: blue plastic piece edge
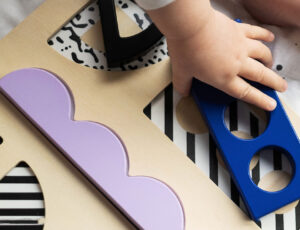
pixel 237 153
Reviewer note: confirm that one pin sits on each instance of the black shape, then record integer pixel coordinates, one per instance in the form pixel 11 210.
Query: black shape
pixel 279 222
pixel 169 111
pixel 23 164
pixel 124 6
pixel 21 227
pixel 254 131
pixel 213 161
pixel 91 9
pixel 162 51
pixel 74 37
pixel 147 111
pixel 138 20
pixel 78 17
pixel 190 146
pixel 258 223
pixel 235 196
pixel 19 179
pixel 1 140
pixel 18 222
pixel 91 51
pixel 21 196
pixel 277 160
pixel 254 127
pixel 121 50
pixel 233 121
pixel 79 25
pixel 50 43
pixel 132 67
pixel 297 216
pixel 279 67
pixel 92 21
pixel 22 212
pixel 151 61
pixel 74 57
pixel 59 40
pixel 256 174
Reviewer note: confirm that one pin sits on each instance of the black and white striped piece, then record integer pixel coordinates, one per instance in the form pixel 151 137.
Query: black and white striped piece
pixel 201 149
pixel 21 200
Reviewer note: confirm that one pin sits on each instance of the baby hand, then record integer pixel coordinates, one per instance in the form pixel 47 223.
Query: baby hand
pixel 223 53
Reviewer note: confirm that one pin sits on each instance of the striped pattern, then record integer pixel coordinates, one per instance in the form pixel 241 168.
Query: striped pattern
pixel 201 149
pixel 21 200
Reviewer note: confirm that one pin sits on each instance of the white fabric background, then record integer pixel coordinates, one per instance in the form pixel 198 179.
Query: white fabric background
pixel 12 12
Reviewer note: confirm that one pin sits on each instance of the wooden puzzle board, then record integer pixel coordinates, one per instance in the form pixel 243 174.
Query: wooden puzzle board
pixel 149 153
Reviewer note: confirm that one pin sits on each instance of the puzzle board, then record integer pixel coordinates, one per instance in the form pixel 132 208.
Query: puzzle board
pixel 136 89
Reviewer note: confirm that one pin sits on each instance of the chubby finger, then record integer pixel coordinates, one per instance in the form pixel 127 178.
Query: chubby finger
pixel 242 90
pixel 181 82
pixel 257 32
pixel 255 71
pixel 259 51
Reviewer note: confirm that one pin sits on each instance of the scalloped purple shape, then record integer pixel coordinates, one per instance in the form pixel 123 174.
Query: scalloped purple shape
pixel 93 148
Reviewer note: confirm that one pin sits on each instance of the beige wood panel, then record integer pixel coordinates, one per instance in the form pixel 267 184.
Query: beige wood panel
pixel 115 99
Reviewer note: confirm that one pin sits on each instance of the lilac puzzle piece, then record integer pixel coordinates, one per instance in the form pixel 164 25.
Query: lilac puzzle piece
pixel 93 148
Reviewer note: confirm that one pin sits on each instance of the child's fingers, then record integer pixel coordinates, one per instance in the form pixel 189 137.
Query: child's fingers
pixel 240 89
pixel 257 32
pixel 256 71
pixel 181 82
pixel 259 51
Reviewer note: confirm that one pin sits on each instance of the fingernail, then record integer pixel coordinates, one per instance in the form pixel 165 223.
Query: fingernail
pixel 272 36
pixel 272 104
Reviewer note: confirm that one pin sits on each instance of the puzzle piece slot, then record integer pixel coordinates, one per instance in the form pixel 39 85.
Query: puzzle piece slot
pixel 93 148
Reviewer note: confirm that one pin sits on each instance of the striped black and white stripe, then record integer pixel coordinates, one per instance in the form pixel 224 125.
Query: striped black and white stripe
pixel 21 200
pixel 201 149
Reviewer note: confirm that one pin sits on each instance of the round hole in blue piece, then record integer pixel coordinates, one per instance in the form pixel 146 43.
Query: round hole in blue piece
pixel 248 119
pixel 275 171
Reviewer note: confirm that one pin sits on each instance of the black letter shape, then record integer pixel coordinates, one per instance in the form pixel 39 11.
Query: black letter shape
pixel 121 50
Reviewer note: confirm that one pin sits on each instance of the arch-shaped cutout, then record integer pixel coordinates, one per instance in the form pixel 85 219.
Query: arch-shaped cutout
pixel 22 200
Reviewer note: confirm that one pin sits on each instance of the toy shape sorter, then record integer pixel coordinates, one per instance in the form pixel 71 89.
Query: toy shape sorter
pixel 116 100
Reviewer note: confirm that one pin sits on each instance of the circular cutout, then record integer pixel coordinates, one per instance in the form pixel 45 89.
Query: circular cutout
pixel 247 118
pixel 189 116
pixel 241 135
pixel 276 181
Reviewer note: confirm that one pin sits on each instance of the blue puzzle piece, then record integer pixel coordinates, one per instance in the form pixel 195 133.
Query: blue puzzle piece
pixel 237 153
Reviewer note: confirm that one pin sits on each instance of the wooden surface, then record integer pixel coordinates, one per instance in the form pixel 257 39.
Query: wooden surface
pixel 115 99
